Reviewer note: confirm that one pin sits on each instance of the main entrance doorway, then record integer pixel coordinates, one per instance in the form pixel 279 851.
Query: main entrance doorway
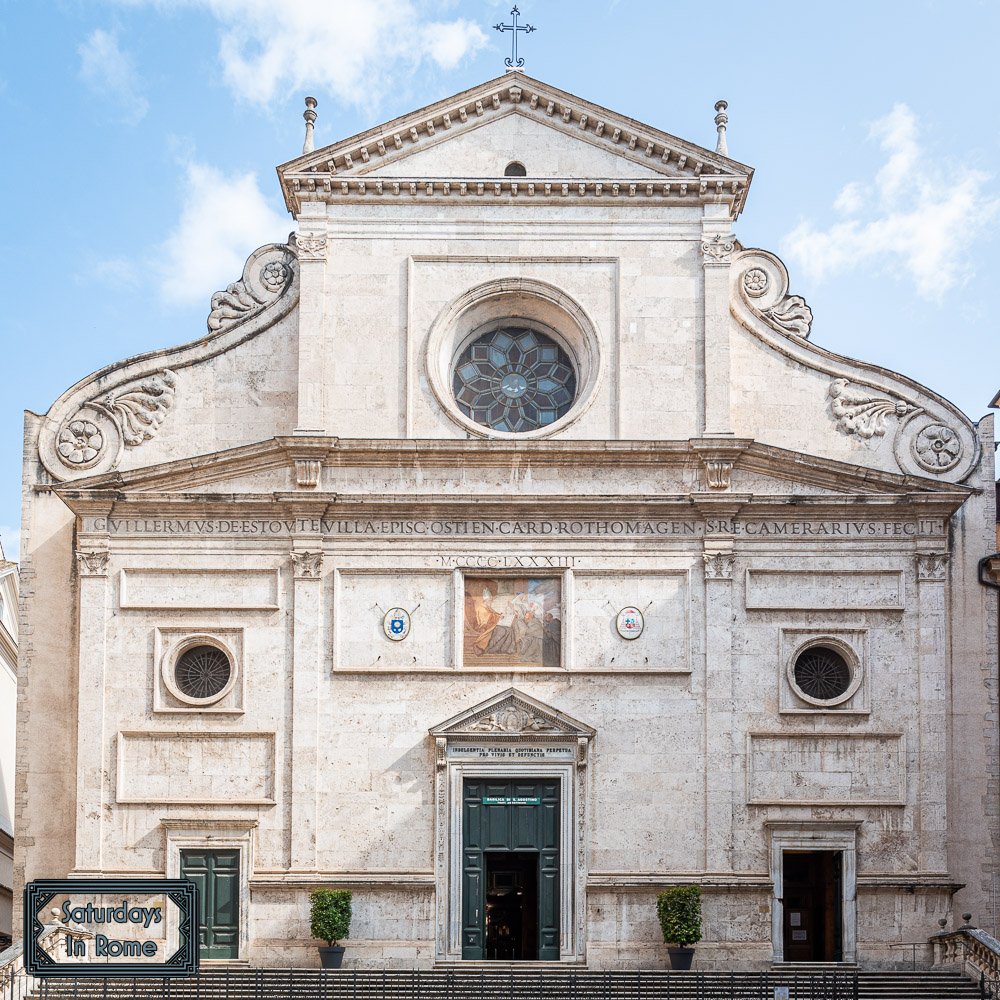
pixel 510 870
pixel 813 913
pixel 217 875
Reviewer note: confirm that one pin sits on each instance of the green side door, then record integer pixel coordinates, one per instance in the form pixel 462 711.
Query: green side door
pixel 217 875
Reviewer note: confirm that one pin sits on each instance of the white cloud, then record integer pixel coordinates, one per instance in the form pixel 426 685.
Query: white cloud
pixel 354 49
pixel 917 216
pixel 10 538
pixel 223 220
pixel 110 73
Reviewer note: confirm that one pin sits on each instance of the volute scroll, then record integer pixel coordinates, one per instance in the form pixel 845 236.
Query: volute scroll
pixel 929 436
pixel 87 430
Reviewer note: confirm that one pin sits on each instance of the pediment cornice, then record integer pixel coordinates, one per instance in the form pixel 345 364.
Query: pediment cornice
pixel 512 714
pixel 346 171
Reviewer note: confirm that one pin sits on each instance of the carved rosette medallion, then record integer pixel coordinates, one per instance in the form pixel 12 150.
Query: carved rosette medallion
pixel 936 448
pixel 755 282
pixel 80 443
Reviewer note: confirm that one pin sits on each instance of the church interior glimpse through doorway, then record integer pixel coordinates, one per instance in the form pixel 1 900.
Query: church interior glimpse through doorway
pixel 813 923
pixel 510 870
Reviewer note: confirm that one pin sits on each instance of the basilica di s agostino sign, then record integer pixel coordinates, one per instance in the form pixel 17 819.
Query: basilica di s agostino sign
pixel 507 552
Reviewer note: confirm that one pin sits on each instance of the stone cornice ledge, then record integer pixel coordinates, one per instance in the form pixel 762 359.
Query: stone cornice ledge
pixel 282 880
pixel 657 881
pixel 284 452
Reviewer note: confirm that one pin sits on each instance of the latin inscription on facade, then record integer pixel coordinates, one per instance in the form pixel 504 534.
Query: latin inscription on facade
pixel 515 751
pixel 509 529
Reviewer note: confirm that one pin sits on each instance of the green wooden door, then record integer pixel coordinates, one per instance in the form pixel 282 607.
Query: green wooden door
pixel 217 875
pixel 515 816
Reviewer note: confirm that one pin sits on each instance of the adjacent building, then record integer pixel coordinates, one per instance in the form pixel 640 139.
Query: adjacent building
pixel 507 552
pixel 8 706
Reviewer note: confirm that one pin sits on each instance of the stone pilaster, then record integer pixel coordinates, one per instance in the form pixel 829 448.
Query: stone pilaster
pixel 718 246
pixel 311 244
pixel 932 731
pixel 307 659
pixel 720 755
pixel 93 753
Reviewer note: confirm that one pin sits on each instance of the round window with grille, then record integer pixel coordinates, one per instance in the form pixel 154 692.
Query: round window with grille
pixel 823 675
pixel 203 673
pixel 514 379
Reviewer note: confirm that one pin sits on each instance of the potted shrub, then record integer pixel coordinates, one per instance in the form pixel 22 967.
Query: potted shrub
pixel 330 921
pixel 679 910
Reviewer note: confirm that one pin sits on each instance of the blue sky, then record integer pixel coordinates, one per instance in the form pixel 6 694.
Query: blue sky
pixel 140 139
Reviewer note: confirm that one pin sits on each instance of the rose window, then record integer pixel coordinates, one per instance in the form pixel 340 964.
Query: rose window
pixel 822 673
pixel 202 672
pixel 515 380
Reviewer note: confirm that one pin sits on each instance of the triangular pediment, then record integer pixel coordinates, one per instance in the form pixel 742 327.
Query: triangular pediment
pixel 513 713
pixel 466 140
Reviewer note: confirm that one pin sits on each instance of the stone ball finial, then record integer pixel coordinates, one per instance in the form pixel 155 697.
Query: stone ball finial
pixel 310 116
pixel 721 121
pixel 966 918
pixel 942 922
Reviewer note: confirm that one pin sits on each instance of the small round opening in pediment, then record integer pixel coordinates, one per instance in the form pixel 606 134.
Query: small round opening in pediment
pixel 515 169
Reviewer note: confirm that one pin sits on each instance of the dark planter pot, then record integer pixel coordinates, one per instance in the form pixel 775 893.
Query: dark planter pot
pixel 680 958
pixel 331 958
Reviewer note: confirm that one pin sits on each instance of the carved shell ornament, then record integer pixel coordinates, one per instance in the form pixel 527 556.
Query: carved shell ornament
pixel 90 427
pixel 929 436
pixel 123 418
pixel 513 719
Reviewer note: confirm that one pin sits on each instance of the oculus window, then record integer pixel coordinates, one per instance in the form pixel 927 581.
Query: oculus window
pixel 202 673
pixel 822 675
pixel 514 379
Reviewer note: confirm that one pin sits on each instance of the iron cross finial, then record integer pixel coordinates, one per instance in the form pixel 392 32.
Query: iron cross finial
pixel 514 28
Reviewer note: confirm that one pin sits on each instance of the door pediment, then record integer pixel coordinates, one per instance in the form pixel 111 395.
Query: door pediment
pixel 513 714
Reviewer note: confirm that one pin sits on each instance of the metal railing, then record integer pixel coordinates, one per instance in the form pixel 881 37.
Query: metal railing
pixel 304 984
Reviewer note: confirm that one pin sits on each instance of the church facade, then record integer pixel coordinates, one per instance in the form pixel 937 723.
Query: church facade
pixel 506 552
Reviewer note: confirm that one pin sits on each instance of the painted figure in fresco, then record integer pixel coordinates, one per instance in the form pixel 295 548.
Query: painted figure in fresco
pixel 522 627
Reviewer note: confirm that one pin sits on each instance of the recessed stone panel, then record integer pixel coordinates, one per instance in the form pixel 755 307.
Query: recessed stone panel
pixel 824 589
pixel 199 589
pixel 848 769
pixel 663 598
pixel 214 769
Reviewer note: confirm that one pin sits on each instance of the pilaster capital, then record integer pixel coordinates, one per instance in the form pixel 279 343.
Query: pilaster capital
pixel 311 246
pixel 932 567
pixel 92 562
pixel 719 565
pixel 307 565
pixel 718 250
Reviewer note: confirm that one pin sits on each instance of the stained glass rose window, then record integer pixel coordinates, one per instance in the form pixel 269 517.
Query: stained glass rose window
pixel 514 379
